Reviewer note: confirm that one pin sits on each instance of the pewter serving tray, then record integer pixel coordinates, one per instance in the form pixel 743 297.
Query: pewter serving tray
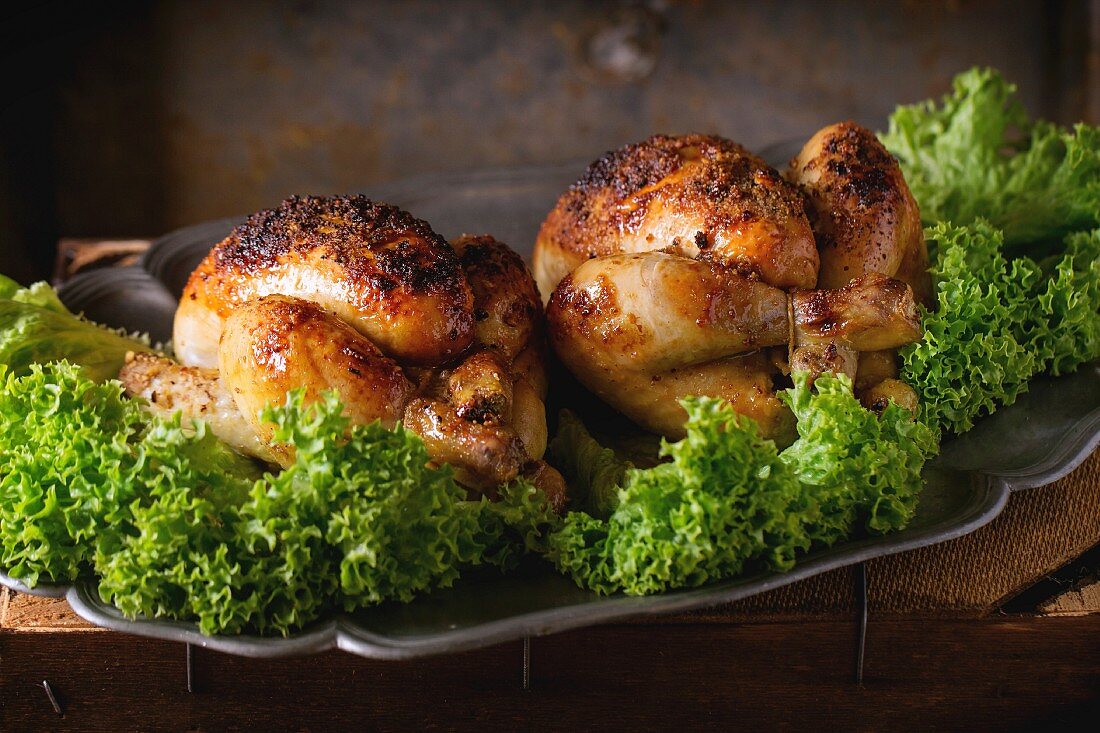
pixel 1044 436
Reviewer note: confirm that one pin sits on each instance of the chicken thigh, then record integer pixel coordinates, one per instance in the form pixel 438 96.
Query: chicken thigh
pixel 644 330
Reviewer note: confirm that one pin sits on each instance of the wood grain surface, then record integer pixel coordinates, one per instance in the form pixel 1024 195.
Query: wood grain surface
pixel 1002 673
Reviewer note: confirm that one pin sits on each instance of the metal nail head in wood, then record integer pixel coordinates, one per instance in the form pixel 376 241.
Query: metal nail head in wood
pixel 53 698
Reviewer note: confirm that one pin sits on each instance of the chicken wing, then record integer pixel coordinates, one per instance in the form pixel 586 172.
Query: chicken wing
pixel 506 303
pixel 865 220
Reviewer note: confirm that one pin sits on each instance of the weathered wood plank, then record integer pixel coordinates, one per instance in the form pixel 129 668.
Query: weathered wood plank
pixel 967 675
pixel 1079 601
pixel 20 612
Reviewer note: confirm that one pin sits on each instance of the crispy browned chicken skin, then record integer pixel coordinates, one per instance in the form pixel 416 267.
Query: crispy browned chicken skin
pixel 383 272
pixel 865 220
pixel 700 195
pixel 864 217
pixel 675 262
pixel 358 297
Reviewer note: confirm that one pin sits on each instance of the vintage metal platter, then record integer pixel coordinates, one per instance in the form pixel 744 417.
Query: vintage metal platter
pixel 1041 438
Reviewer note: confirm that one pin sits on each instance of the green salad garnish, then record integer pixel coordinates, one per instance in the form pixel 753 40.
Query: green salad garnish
pixel 977 155
pixel 175 524
pixel 1012 207
pixel 727 497
pixel 36 328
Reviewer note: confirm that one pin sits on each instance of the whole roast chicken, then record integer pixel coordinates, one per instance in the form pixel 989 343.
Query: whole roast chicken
pixel 347 294
pixel 687 266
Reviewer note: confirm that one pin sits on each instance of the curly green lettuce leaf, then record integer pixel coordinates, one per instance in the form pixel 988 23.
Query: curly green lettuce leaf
pixel 722 500
pixel 178 555
pixel 727 498
pixel 65 450
pixel 520 522
pixel 974 355
pixel 35 328
pixel 977 155
pixel 594 473
pixel 74 456
pixel 396 523
pixel 998 322
pixel 176 525
pixel 860 470
pixel 8 287
pixel 361 517
pixel 1064 324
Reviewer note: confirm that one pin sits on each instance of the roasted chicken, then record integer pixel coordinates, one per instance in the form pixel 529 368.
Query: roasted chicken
pixel 673 264
pixel 358 297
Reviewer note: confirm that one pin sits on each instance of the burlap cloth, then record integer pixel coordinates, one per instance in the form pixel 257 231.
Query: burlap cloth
pixel 1039 531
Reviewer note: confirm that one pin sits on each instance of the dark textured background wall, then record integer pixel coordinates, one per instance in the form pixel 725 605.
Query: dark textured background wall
pixel 131 119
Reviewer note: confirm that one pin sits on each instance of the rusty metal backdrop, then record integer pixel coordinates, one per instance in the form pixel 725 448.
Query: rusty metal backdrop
pixel 135 118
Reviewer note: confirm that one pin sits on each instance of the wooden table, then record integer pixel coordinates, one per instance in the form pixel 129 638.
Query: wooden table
pixel 996 630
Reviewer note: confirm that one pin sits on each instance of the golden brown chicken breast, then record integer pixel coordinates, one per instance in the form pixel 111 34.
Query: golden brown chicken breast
pixel 696 195
pixel 383 272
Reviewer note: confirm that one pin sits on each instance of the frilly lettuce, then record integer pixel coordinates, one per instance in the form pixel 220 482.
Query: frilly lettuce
pixel 723 499
pixel 977 155
pixel 594 473
pixel 74 457
pixel 1065 327
pixel 972 357
pixel 998 322
pixel 728 498
pixel 361 517
pixel 175 524
pixel 396 524
pixel 861 471
pixel 995 186
pixel 519 522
